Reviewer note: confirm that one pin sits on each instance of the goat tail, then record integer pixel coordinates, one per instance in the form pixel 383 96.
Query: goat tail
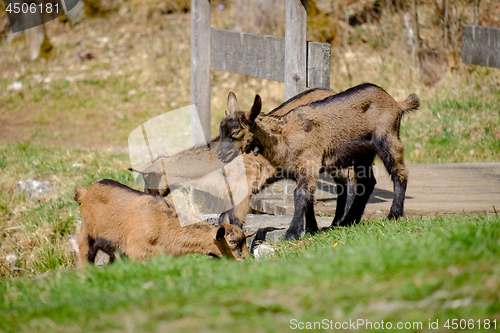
pixel 411 103
pixel 79 194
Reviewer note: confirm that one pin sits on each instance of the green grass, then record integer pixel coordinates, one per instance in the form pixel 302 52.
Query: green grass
pixel 457 126
pixel 410 270
pixel 37 231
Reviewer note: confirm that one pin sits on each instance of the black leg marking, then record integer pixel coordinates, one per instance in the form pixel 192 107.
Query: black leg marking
pixel 341 189
pixel 297 225
pixel 397 207
pixel 391 151
pixel 311 223
pixel 92 250
pixel 231 218
pixel 221 218
pixel 365 183
pixel 101 244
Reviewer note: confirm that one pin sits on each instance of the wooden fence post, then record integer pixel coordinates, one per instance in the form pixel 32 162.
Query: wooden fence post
pixel 291 59
pixel 200 67
pixel 481 45
pixel 295 48
pixel 295 60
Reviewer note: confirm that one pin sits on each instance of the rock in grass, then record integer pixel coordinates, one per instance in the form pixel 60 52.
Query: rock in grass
pixel 211 218
pixel 34 189
pixel 12 260
pixel 101 259
pixel 263 250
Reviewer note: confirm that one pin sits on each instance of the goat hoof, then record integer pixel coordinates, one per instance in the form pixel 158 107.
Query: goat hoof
pixel 393 216
pixel 290 235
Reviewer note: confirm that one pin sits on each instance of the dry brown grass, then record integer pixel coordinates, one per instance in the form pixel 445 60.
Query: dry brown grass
pixel 140 69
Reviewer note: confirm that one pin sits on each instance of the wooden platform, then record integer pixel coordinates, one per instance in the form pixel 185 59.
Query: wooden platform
pixel 433 189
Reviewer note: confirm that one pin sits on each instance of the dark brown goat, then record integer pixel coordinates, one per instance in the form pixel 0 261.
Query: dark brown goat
pixel 342 130
pixel 195 164
pixel 115 216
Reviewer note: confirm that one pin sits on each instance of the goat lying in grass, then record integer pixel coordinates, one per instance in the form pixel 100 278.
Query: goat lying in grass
pixel 115 216
pixel 195 164
pixel 342 130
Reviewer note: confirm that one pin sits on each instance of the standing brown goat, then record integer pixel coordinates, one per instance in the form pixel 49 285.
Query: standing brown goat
pixel 140 225
pixel 195 164
pixel 342 130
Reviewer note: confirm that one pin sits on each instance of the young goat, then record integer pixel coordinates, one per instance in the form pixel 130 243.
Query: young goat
pixel 193 166
pixel 259 172
pixel 342 130
pixel 115 216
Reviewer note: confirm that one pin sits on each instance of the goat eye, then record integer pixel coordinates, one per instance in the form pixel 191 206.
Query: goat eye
pixel 236 134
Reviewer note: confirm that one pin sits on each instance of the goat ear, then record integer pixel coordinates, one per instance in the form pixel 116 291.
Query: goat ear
pixel 254 112
pixel 232 104
pixel 221 232
pixel 249 234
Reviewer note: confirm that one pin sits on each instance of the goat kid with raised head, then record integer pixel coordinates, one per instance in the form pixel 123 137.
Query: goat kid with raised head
pixel 342 130
pixel 196 163
pixel 140 225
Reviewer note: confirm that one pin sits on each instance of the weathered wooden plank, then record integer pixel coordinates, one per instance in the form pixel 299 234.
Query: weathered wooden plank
pixel 263 56
pixel 295 59
pixel 200 66
pixel 318 65
pixel 481 45
pixel 295 48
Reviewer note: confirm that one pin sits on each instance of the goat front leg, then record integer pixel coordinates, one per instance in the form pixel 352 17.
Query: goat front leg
pixel 229 217
pixel 303 196
pixel 311 223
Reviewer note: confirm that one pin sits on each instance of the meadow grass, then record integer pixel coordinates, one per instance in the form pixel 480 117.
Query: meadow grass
pixel 37 231
pixel 407 270
pixel 404 271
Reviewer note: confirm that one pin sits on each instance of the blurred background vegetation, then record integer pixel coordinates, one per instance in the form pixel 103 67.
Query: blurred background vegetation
pixel 125 62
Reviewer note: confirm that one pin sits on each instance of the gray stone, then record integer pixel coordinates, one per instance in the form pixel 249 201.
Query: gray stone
pixel 264 250
pixel 211 218
pixel 101 259
pixel 34 189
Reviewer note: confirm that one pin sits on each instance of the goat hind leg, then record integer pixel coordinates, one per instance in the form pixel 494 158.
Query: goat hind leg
pixel 341 191
pixel 391 151
pixel 365 183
